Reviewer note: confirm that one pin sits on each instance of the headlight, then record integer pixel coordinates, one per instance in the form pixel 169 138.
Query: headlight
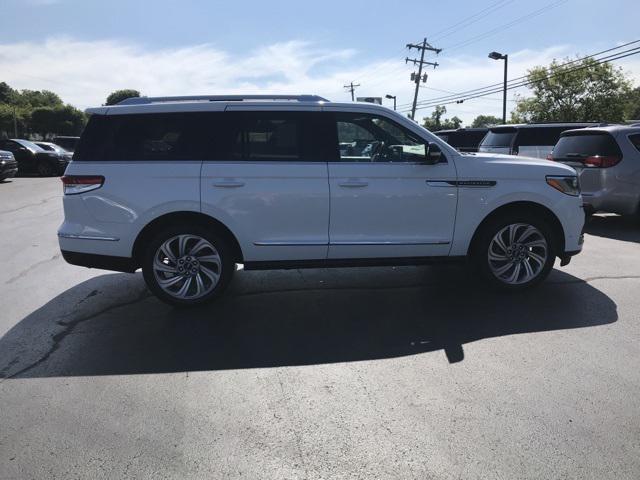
pixel 569 184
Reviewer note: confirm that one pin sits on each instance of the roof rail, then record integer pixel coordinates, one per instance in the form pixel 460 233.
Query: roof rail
pixel 220 98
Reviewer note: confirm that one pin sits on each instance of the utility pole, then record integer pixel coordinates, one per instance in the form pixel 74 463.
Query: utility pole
pixel 15 123
pixel 352 88
pixel 419 77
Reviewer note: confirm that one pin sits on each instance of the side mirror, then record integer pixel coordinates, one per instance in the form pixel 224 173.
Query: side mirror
pixel 434 154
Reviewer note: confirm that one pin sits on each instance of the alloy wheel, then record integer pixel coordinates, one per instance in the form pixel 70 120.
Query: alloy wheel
pixel 517 253
pixel 187 266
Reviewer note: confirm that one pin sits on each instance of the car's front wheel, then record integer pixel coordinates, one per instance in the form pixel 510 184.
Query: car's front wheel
pixel 515 252
pixel 187 266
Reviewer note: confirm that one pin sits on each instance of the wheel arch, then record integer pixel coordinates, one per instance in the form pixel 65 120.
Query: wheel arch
pixel 185 217
pixel 521 207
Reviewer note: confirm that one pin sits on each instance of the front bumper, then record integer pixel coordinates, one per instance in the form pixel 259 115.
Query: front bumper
pixel 8 169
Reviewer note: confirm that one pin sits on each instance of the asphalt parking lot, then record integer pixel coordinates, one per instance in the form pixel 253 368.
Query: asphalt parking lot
pixel 412 372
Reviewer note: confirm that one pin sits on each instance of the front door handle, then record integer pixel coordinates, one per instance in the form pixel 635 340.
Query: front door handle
pixel 228 184
pixel 353 184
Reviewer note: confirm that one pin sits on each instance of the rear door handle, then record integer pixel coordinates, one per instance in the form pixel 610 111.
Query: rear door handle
pixel 353 184
pixel 228 184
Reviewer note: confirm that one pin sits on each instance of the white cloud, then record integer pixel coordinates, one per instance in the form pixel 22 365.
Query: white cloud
pixel 83 73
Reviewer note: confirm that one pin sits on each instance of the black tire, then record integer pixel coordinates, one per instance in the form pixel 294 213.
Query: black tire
pixel 486 234
pixel 227 264
pixel 45 169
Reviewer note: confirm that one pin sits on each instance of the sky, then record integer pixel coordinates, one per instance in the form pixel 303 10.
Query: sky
pixel 84 49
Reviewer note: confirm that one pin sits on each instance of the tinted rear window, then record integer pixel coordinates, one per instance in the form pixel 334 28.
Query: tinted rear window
pixel 499 138
pixel 252 136
pixel 530 137
pixel 585 145
pixel 167 136
pixel 467 139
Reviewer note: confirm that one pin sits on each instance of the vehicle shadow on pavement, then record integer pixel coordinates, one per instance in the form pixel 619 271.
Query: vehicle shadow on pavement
pixel 626 229
pixel 110 325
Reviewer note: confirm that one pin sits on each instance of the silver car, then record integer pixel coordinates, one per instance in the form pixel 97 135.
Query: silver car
pixel 607 160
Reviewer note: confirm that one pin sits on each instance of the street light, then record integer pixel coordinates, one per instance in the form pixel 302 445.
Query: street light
pixel 394 99
pixel 499 56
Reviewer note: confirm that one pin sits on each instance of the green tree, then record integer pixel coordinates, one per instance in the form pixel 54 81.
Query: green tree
pixel 435 122
pixel 582 91
pixel 119 95
pixel 483 121
pixel 64 120
pixel 633 105
pixel 38 98
pixel 7 94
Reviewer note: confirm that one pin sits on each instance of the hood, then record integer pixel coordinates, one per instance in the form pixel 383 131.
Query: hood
pixel 482 164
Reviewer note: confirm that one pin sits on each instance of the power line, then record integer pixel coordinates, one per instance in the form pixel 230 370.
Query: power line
pixel 610 58
pixel 471 19
pixel 352 88
pixel 514 80
pixel 505 26
pixel 514 85
pixel 445 32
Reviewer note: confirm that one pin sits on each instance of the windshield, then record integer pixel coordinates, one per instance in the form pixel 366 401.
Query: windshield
pixel 46 147
pixel 30 145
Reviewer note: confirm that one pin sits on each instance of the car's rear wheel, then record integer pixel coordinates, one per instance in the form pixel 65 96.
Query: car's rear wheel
pixel 45 169
pixel 187 266
pixel 515 252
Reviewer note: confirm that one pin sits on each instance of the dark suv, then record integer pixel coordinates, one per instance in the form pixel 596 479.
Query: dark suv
pixel 33 159
pixel 527 140
pixel 463 139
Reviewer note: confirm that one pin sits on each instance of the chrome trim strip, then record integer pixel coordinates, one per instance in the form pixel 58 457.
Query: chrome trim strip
pixel 462 183
pixel 437 242
pixel 87 237
pixel 316 244
pixel 290 244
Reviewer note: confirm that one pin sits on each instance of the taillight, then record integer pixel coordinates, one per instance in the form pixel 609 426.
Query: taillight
pixel 74 184
pixel 550 157
pixel 601 162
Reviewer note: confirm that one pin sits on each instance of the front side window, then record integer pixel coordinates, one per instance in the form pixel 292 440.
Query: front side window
pixel 372 138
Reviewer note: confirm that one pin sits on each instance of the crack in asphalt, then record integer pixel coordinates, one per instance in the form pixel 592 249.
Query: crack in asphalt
pixel 28 269
pixel 70 325
pixel 68 329
pixel 41 202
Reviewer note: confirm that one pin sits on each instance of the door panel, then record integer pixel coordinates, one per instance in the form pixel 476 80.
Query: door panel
pixel 277 210
pixel 393 212
pixel 268 187
pixel 386 201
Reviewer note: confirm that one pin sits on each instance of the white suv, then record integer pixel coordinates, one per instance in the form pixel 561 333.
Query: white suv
pixel 187 187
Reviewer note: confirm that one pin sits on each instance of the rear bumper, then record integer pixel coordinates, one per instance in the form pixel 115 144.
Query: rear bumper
pixel 612 202
pixel 104 262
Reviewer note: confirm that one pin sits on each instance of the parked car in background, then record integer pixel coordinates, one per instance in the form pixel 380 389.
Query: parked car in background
pixel 526 140
pixel 607 160
pixel 8 165
pixel 186 187
pixel 463 139
pixel 34 159
pixel 68 143
pixel 52 147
